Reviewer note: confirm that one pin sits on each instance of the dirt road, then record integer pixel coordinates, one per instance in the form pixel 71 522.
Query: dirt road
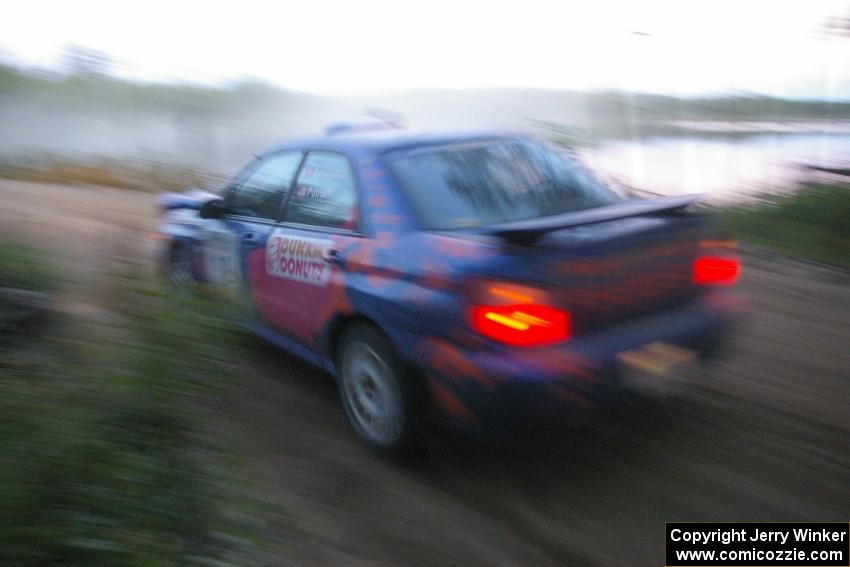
pixel 766 438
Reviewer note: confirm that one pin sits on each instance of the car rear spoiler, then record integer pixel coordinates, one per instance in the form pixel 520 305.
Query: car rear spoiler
pixel 529 231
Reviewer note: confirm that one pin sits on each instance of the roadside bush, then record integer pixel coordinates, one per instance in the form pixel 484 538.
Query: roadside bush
pixel 812 223
pixel 132 174
pixel 22 267
pixel 112 451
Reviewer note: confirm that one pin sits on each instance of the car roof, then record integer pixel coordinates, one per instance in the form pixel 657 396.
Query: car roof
pixel 383 141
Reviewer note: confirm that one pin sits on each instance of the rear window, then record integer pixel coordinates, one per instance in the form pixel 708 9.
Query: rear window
pixel 473 185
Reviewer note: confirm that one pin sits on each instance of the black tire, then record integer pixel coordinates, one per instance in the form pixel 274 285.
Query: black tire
pixel 387 420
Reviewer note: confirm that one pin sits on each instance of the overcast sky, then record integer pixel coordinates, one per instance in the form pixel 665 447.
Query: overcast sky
pixel 359 46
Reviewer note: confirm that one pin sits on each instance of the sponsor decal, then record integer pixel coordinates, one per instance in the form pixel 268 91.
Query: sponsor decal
pixel 297 258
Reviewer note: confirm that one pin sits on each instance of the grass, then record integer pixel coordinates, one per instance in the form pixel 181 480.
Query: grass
pixel 114 449
pixel 136 175
pixel 23 267
pixel 812 223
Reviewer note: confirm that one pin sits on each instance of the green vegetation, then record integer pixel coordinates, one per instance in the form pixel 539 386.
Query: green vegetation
pixel 23 267
pixel 742 107
pixel 811 223
pixel 616 113
pixel 114 447
pixel 105 92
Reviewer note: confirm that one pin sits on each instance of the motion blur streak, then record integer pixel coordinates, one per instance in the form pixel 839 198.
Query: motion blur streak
pixel 580 382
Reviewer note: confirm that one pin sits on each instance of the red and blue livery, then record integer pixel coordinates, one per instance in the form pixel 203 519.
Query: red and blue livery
pixel 485 280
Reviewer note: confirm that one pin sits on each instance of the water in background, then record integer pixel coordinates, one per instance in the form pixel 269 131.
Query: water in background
pixel 218 131
pixel 723 167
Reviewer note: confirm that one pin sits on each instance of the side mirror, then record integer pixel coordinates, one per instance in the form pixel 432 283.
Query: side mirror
pixel 214 209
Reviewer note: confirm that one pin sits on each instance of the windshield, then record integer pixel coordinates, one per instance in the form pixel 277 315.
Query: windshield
pixel 472 185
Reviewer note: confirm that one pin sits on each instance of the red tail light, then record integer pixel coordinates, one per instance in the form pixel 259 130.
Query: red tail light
pixel 518 315
pixel 522 325
pixel 713 270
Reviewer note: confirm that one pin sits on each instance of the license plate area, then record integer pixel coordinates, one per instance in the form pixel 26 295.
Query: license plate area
pixel 656 368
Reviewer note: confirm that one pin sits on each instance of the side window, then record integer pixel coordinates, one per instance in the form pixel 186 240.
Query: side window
pixel 325 193
pixel 261 192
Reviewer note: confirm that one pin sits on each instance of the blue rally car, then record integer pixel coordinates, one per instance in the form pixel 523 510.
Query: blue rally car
pixel 485 280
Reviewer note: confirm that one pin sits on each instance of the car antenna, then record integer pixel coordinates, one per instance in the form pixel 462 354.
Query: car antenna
pixel 386 117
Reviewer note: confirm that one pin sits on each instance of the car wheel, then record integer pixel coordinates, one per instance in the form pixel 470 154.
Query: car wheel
pixel 379 398
pixel 178 270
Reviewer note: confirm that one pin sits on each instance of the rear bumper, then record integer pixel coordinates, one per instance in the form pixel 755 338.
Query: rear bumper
pixel 501 389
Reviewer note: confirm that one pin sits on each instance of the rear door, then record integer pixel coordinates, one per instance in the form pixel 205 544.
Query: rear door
pixel 304 282
pixel 233 246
